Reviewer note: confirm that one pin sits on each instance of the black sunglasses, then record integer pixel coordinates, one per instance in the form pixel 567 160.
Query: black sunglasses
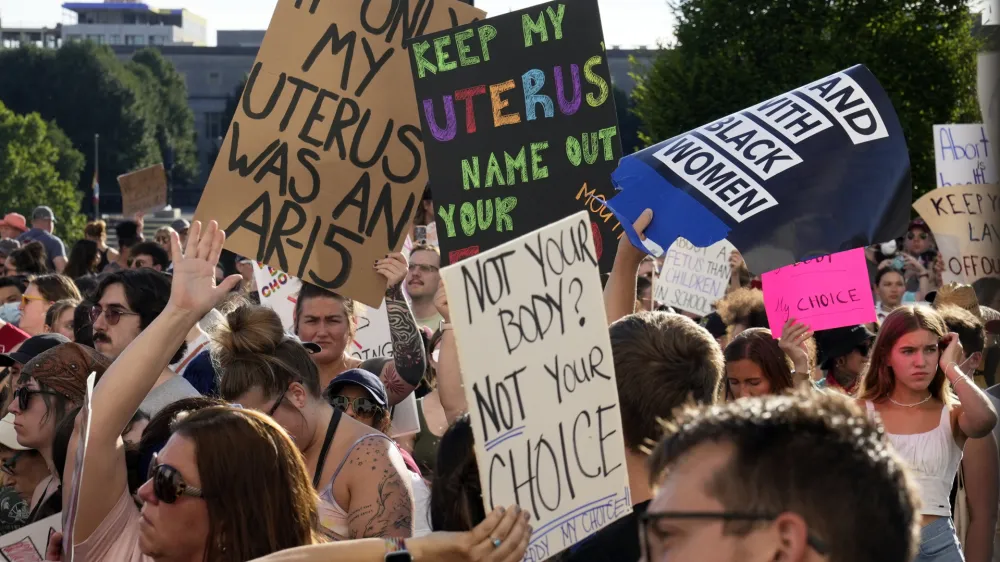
pixel 8 465
pixel 168 484
pixel 277 403
pixel 362 406
pixel 112 314
pixel 647 524
pixel 23 396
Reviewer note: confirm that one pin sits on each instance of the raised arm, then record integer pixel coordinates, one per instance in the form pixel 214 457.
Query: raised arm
pixel 130 378
pixel 409 362
pixel 449 374
pixel 381 493
pixel 975 414
pixel 619 292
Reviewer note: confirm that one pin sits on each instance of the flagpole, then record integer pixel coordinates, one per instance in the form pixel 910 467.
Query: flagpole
pixel 96 193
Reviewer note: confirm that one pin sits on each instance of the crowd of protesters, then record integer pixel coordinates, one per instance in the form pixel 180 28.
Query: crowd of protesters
pixel 215 434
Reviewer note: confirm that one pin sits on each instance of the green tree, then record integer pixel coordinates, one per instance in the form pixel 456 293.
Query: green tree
pixel 165 96
pixel 85 90
pixel 628 123
pixel 29 174
pixel 729 55
pixel 70 162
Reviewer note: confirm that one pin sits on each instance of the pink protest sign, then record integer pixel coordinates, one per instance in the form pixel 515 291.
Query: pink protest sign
pixel 826 292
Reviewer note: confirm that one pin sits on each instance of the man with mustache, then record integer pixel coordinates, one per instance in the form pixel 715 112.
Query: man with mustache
pixel 127 302
pixel 422 281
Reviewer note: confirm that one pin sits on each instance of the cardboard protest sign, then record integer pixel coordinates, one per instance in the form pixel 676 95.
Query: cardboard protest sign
pixel 962 155
pixel 970 214
pixel 692 278
pixel 519 126
pixel 280 291
pixel 536 365
pixel 818 170
pixel 322 168
pixel 73 505
pixel 28 544
pixel 143 190
pixel 824 293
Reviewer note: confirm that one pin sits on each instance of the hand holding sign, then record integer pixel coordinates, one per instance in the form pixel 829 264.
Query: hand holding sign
pixel 393 268
pixel 794 336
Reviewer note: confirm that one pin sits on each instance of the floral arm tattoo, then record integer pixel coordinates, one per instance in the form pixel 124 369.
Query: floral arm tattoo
pixel 384 506
pixel 404 372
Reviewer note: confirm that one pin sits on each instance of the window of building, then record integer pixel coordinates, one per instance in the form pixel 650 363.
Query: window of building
pixel 157 40
pixel 214 79
pixel 115 39
pixel 213 125
pixel 99 39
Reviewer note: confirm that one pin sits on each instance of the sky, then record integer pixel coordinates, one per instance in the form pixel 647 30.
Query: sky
pixel 627 23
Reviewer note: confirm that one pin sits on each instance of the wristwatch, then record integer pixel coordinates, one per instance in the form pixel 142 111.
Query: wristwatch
pixel 396 551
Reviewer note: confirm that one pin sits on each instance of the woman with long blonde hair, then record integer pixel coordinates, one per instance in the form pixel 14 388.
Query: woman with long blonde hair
pixel 909 383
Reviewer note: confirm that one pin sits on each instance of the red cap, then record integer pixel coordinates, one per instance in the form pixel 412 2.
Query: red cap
pixel 10 337
pixel 15 220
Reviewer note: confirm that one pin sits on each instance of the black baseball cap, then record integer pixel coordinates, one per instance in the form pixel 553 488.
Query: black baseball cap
pixel 362 378
pixel 839 342
pixel 31 347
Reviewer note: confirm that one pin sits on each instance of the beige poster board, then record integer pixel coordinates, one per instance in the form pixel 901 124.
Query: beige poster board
pixel 968 216
pixel 692 278
pixel 144 190
pixel 323 167
pixel 539 379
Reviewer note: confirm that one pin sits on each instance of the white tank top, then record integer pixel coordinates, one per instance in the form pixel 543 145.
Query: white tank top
pixel 933 457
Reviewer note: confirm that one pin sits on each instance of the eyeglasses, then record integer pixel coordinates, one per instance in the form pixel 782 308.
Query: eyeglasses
pixel 168 484
pixel 648 521
pixel 362 406
pixel 423 268
pixel 23 396
pixel 8 465
pixel 277 403
pixel 911 236
pixel 112 314
pixel 25 299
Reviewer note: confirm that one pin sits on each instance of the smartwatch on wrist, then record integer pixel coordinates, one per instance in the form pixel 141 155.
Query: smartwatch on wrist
pixel 396 551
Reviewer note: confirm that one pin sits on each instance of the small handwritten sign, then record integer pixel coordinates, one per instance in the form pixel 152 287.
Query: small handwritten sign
pixel 28 544
pixel 963 154
pixel 965 220
pixel 536 363
pixel 692 278
pixel 143 190
pixel 826 292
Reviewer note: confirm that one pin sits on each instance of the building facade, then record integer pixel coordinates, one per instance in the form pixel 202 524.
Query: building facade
pixel 134 24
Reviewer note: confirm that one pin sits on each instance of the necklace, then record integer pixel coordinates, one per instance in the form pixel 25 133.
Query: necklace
pixel 911 405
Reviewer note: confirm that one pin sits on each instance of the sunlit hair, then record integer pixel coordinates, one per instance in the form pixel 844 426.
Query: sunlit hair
pixel 96 229
pixel 759 346
pixel 57 309
pixel 878 380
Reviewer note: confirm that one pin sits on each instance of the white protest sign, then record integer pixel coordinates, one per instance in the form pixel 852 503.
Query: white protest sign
pixel 539 379
pixel 372 338
pixel 963 154
pixel 28 544
pixel 405 417
pixel 693 278
pixel 278 291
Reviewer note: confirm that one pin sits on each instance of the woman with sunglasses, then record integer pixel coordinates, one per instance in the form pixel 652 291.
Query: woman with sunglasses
pixel 41 293
pixel 353 467
pixel 49 387
pixel 909 383
pixel 923 264
pixel 229 485
pixel 844 356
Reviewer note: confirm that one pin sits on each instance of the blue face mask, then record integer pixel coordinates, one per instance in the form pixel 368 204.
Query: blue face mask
pixel 11 313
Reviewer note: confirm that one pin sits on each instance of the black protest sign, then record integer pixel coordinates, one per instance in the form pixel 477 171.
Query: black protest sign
pixel 811 172
pixel 519 126
pixel 539 379
pixel 323 167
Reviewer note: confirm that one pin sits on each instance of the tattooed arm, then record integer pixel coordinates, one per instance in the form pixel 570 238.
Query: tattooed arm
pixel 409 361
pixel 381 494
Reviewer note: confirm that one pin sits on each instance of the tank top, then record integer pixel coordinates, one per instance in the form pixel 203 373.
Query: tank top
pixel 933 457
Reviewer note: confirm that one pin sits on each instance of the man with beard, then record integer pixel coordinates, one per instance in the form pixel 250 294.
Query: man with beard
pixel 422 281
pixel 127 302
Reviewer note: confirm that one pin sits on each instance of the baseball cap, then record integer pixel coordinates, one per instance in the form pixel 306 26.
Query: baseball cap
pixel 32 347
pixel 362 378
pixel 180 225
pixel 15 220
pixel 43 212
pixel 839 342
pixel 65 368
pixel 10 337
pixel 8 436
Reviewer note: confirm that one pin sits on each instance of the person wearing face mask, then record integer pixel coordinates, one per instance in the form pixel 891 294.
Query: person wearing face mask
pixel 49 387
pixel 843 354
pixel 11 290
pixel 909 383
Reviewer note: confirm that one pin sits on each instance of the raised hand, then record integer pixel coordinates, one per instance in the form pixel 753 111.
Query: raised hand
pixel 393 268
pixel 952 353
pixel 441 302
pixel 794 336
pixel 193 286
